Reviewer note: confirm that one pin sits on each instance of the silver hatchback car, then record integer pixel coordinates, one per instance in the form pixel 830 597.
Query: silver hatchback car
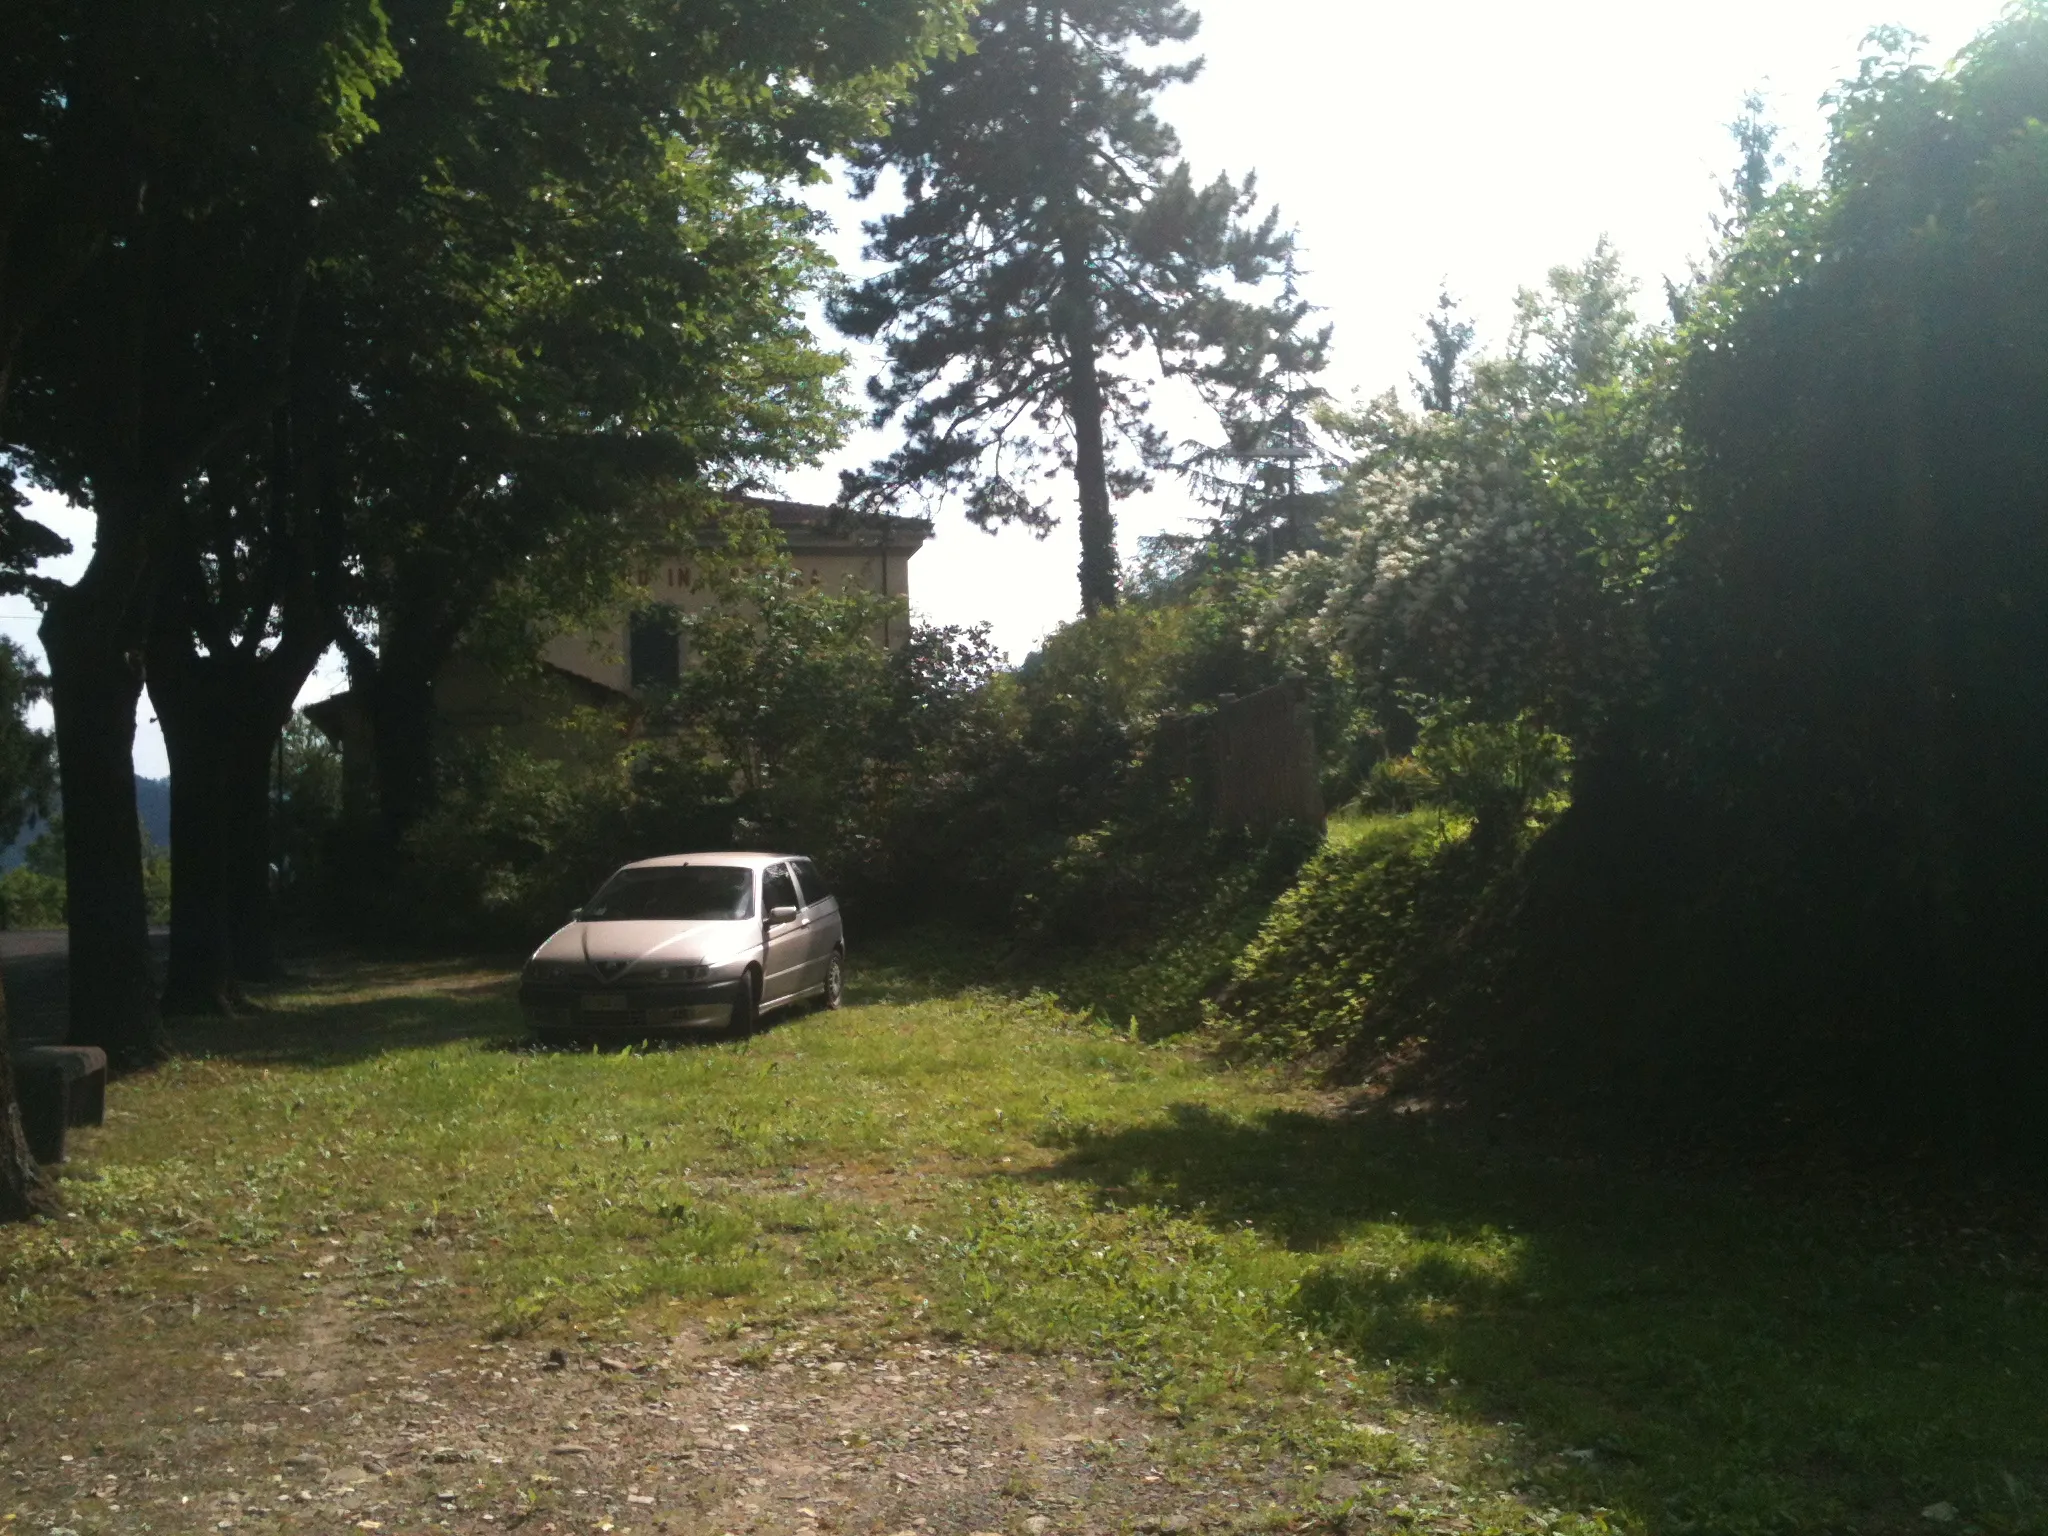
pixel 689 941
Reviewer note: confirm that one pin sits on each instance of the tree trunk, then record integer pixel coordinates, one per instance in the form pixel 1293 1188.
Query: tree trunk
pixel 396 683
pixel 221 714
pixel 250 897
pixel 200 978
pixel 401 704
pixel 1098 522
pixel 201 971
pixel 95 683
pixel 24 1192
pixel 1091 461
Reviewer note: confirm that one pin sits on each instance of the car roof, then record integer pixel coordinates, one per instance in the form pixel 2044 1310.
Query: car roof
pixel 726 860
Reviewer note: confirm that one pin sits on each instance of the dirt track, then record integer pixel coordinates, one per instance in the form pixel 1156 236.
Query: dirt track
pixel 394 1425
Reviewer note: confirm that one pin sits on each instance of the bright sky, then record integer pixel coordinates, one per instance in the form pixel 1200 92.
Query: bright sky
pixel 1471 142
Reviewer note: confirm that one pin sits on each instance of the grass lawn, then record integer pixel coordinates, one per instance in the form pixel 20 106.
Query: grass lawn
pixel 1328 1319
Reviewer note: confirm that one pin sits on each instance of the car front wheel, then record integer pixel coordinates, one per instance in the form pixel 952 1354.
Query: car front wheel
pixel 835 982
pixel 746 1010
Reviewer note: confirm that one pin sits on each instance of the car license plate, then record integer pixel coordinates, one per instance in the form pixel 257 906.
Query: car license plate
pixel 705 1015
pixel 605 1002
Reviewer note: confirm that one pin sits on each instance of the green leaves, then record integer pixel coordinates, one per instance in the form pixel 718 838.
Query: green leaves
pixel 565 300
pixel 785 672
pixel 1366 914
pixel 1859 376
pixel 1048 236
pixel 1498 551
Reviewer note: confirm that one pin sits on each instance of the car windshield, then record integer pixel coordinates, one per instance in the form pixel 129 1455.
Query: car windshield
pixel 690 893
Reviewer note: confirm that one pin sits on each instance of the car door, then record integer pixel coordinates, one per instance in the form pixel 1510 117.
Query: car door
pixel 785 946
pixel 821 913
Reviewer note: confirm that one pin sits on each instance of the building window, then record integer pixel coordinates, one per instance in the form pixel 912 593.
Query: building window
pixel 654 650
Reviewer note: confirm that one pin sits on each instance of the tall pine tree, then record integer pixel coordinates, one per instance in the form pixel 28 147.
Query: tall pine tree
pixel 1445 356
pixel 1261 381
pixel 1049 234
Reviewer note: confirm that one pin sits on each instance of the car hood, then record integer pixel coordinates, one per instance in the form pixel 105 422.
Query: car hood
pixel 611 949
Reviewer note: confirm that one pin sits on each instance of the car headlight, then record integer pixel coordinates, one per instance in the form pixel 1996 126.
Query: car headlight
pixel 682 973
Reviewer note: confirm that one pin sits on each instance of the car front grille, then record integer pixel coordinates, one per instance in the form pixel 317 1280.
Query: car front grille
pixel 623 1019
pixel 613 970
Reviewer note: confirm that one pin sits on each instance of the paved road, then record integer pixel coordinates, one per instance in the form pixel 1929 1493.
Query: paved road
pixel 35 964
pixel 33 944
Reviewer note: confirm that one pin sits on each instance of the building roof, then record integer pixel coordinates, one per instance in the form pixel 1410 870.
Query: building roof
pixel 808 528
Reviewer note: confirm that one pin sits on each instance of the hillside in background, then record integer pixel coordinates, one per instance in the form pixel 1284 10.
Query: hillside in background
pixel 152 804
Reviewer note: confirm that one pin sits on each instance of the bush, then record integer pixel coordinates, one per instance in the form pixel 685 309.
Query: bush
pixel 792 728
pixel 307 834
pixel 517 841
pixel 34 895
pixel 31 900
pixel 156 881
pixel 1509 777
pixel 1397 785
pixel 800 734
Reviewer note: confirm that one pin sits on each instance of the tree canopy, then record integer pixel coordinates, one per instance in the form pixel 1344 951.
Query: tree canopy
pixel 1492 551
pixel 329 290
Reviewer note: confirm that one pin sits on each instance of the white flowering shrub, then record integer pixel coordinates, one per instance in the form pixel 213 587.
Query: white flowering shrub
pixel 1498 555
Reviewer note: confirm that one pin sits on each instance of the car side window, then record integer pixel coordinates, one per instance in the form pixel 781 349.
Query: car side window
pixel 812 882
pixel 777 888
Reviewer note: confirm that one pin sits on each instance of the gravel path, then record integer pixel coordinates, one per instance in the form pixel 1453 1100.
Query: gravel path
pixel 341 1426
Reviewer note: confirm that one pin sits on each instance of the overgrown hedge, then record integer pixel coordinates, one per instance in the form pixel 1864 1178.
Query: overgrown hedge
pixel 1157 976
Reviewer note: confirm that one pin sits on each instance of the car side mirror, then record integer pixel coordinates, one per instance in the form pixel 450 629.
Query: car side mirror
pixel 782 914
pixel 575 914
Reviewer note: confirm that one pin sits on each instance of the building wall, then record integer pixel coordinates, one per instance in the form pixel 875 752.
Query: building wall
pixel 536 712
pixel 601 654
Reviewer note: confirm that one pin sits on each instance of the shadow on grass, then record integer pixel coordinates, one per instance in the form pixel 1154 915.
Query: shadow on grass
pixel 1698 1357
pixel 930 963
pixel 334 1010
